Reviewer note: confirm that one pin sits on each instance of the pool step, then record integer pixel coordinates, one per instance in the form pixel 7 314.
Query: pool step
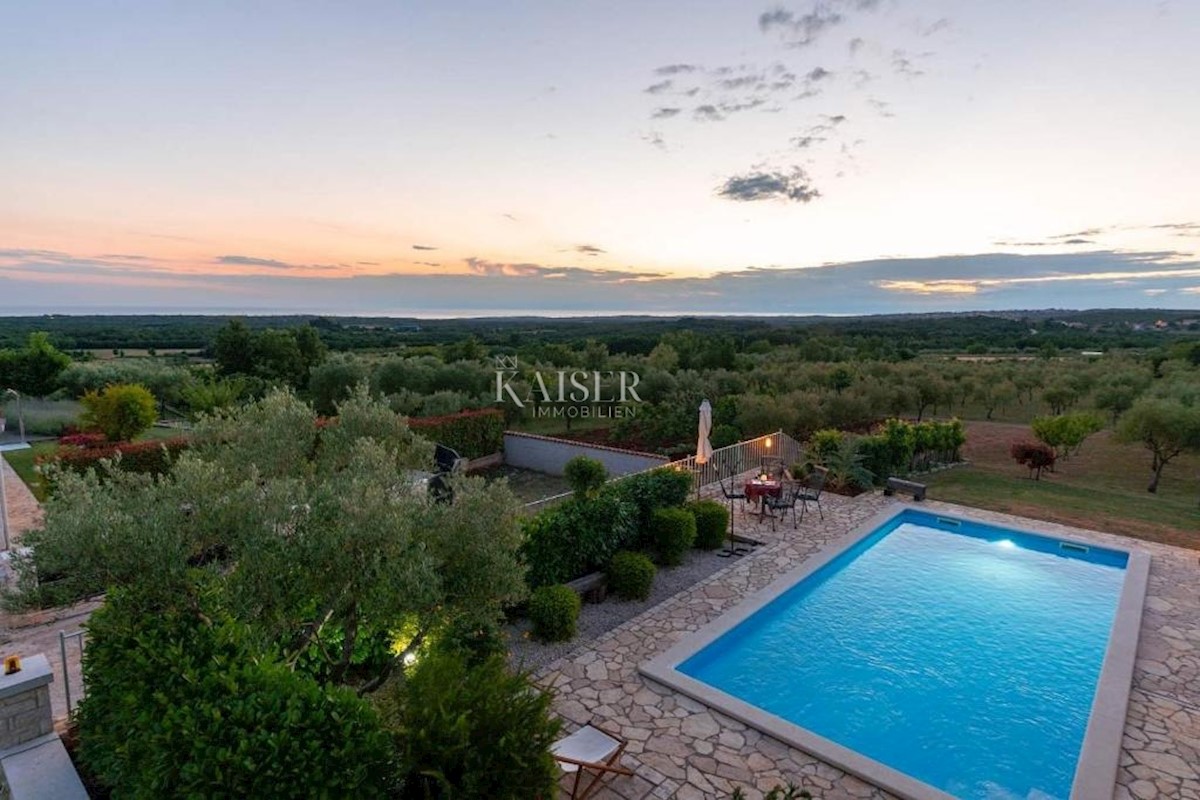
pixel 1074 548
pixel 953 523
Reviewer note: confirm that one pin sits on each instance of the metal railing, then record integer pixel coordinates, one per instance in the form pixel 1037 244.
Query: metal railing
pixel 62 651
pixel 733 459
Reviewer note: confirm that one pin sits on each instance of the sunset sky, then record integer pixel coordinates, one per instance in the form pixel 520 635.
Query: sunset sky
pixel 847 156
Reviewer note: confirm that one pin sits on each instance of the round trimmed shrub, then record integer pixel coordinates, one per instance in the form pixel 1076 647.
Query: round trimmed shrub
pixel 630 575
pixel 712 520
pixel 554 610
pixel 585 475
pixel 673 531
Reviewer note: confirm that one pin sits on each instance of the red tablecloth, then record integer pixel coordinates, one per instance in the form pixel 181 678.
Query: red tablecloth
pixel 756 489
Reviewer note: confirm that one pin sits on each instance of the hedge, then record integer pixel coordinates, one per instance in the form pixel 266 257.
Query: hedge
pixel 649 491
pixel 578 536
pixel 674 531
pixel 180 703
pixel 473 434
pixel 712 521
pixel 152 457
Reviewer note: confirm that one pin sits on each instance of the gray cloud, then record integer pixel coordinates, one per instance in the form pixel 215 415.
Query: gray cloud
pixel 654 138
pixel 428 263
pixel 800 30
pixel 882 107
pixel 793 185
pixel 676 69
pixel 937 25
pixel 1180 228
pixel 745 105
pixel 665 113
pixel 707 113
pixel 270 263
pixel 983 282
pixel 589 249
pixel 740 82
pixel 818 74
pixel 658 88
pixel 482 266
pixel 423 247
pixel 902 64
pixel 248 261
pixel 855 44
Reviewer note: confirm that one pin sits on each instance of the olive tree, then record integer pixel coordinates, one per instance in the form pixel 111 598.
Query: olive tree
pixel 1164 427
pixel 318 538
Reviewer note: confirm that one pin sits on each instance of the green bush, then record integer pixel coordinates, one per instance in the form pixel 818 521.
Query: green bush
pixel 712 521
pixel 585 475
pixel 1066 433
pixel 473 434
pixel 650 491
pixel 179 704
pixel 673 531
pixel 554 611
pixel 466 731
pixel 631 575
pixel 121 412
pixel 576 537
pixel 824 444
pixel 472 637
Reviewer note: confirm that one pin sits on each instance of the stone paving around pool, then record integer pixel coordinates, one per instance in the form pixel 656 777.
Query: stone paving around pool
pixel 681 749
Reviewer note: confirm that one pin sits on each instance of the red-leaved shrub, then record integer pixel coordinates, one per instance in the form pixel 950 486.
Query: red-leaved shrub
pixel 1034 455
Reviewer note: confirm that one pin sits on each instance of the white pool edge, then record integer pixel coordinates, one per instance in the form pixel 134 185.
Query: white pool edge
pixel 1099 757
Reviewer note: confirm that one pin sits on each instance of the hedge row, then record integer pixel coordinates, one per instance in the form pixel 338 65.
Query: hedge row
pixel 151 457
pixel 581 535
pixel 473 434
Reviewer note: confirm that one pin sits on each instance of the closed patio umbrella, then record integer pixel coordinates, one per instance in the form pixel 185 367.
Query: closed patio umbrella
pixel 703 445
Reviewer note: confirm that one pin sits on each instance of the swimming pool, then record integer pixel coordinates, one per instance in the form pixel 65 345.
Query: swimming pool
pixel 937 657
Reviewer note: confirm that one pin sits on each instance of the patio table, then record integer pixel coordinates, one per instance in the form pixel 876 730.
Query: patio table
pixel 757 489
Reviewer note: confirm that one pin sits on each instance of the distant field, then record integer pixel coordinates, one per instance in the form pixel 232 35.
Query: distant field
pixel 132 352
pixel 1103 488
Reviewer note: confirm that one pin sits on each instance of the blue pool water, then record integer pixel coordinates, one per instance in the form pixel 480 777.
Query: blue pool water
pixel 965 656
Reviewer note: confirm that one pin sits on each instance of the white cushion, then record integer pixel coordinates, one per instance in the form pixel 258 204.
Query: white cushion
pixel 586 744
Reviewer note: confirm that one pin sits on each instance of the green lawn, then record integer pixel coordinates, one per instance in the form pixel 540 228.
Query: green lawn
pixel 22 462
pixel 1103 488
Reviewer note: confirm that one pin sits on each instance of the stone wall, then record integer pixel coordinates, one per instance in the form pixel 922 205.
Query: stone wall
pixel 550 455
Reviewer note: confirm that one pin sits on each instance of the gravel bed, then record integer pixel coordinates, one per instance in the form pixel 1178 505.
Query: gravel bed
pixel 595 619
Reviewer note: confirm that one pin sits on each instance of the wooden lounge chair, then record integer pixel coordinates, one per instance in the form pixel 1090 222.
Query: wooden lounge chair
pixel 593 750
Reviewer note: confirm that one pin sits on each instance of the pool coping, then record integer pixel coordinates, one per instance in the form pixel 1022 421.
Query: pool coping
pixel 1099 758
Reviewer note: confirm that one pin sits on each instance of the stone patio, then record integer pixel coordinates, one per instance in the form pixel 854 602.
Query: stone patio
pixel 681 749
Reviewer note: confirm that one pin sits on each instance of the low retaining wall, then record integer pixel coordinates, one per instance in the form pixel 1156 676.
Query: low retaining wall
pixel 548 454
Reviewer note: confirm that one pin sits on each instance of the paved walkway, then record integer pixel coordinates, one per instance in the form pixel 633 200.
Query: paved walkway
pixel 681 749
pixel 24 512
pixel 37 632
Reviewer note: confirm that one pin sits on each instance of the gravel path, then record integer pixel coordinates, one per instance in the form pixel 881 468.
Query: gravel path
pixel 596 619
